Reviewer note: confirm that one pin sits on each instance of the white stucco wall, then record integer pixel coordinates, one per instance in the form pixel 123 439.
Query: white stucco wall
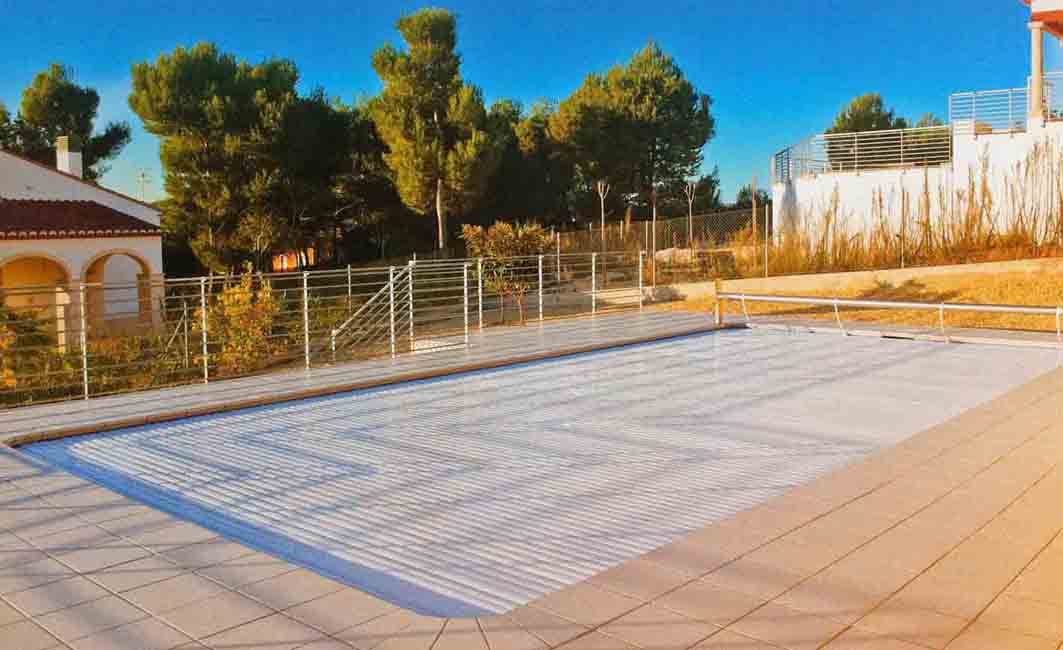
pixel 1007 161
pixel 22 179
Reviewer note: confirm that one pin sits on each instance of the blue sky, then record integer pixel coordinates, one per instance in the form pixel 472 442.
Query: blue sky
pixel 777 70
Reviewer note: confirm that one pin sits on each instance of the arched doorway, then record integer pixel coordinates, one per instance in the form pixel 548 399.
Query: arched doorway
pixel 35 292
pixel 118 292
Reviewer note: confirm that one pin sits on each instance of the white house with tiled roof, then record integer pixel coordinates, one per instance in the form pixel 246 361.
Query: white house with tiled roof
pixel 59 231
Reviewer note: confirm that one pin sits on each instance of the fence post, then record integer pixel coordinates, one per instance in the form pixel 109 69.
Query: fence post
pixel 84 338
pixel 391 306
pixel 557 273
pixel 641 255
pixel 412 263
pixel 540 288
pixel 902 147
pixel 184 321
pixel 594 283
pixel 856 152
pixel 306 319
pixel 349 290
pixel 203 327
pixel 767 238
pixel 480 292
pixel 465 297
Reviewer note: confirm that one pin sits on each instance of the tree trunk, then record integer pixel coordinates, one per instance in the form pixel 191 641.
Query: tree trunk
pixel 441 218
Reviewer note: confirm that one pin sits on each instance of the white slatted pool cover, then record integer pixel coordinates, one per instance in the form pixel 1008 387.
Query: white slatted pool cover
pixel 480 492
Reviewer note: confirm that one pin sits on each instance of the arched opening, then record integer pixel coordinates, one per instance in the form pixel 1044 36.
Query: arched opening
pixel 118 293
pixel 35 293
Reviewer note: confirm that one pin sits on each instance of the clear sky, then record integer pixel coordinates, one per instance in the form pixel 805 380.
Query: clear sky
pixel 777 70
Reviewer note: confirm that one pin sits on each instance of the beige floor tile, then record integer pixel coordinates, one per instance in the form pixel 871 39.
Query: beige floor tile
pixel 138 573
pixel 727 640
pixel 247 569
pixel 96 558
pixel 796 557
pixel 586 604
pixel 980 636
pixel 292 588
pixel 1028 616
pixel 759 580
pixel 551 628
pixel 56 595
pixel 31 574
pixel 79 538
pixel 905 620
pixel 15 557
pixel 172 593
pixel 640 579
pixel 91 617
pixel 597 641
pixel 340 610
pixel 137 525
pixel 860 639
pixel 27 635
pixel 203 618
pixel 276 632
pixel 653 627
pixel 9 614
pixel 503 632
pixel 371 633
pixel 420 635
pixel 690 557
pixel 704 601
pixel 173 536
pixel 461 634
pixel 208 553
pixel 837 597
pixel 146 634
pixel 326 644
pixel 787 628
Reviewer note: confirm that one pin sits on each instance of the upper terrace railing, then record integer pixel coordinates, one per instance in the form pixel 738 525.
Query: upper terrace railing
pixel 864 150
pixel 989 111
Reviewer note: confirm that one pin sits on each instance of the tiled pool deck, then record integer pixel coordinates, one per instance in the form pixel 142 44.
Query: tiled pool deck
pixel 948 539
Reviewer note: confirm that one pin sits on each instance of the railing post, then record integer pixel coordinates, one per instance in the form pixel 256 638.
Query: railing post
pixel 594 283
pixel 557 273
pixel 306 319
pixel 856 152
pixel 642 254
pixel 391 306
pixel 349 291
pixel 902 147
pixel 480 292
pixel 767 237
pixel 465 297
pixel 411 265
pixel 540 288
pixel 718 311
pixel 84 338
pixel 203 328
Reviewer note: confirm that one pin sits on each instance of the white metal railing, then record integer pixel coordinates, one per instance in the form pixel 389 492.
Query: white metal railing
pixel 377 317
pixel 989 111
pixel 940 307
pixel 864 151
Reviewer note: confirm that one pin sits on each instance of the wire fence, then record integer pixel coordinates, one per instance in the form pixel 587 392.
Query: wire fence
pixel 90 340
pixel 699 231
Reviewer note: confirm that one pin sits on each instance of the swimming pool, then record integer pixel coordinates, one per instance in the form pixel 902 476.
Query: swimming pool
pixel 478 492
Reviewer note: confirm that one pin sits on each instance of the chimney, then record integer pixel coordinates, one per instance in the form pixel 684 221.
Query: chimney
pixel 68 155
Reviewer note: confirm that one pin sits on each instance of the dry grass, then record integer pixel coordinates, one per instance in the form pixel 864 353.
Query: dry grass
pixel 1041 289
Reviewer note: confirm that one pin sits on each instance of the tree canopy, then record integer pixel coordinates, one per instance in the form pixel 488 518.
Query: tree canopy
pixel 54 105
pixel 866 113
pixel 434 124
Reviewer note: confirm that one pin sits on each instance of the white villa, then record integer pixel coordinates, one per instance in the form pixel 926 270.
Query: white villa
pixel 59 232
pixel 1005 143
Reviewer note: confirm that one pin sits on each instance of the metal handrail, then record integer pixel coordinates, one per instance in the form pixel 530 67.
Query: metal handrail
pixel 384 290
pixel 940 307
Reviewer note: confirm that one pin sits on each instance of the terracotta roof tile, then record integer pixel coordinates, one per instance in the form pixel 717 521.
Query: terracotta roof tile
pixel 39 219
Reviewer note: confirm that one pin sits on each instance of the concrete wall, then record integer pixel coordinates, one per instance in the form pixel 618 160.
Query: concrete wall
pixel 22 179
pixel 1020 170
pixel 827 282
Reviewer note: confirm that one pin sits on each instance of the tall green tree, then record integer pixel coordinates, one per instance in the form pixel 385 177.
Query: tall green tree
pixel 434 124
pixel 867 112
pixel 54 105
pixel 641 127
pixel 206 107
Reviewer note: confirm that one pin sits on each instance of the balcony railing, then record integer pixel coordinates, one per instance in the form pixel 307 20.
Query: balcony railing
pixel 864 151
pixel 989 111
